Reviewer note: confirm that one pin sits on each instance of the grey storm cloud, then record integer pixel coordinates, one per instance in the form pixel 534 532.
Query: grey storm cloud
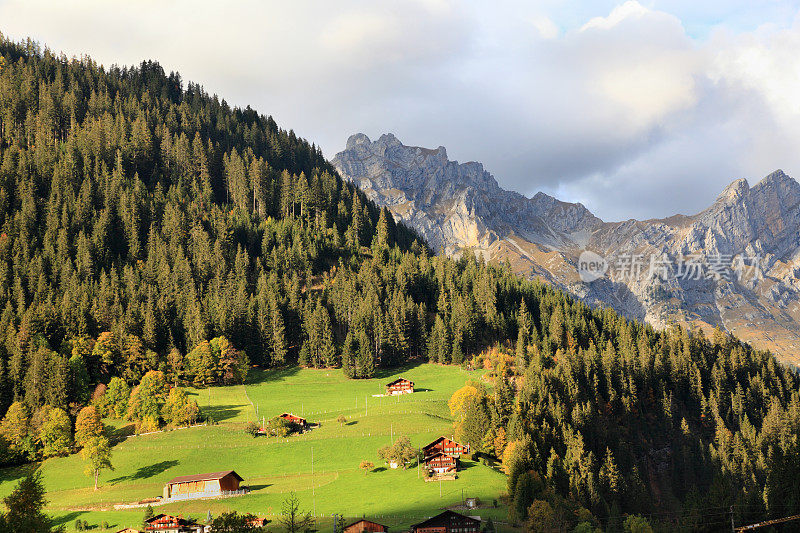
pixel 635 110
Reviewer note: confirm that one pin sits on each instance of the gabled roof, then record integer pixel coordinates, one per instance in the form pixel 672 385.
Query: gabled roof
pixel 204 477
pixel 290 415
pixel 173 519
pixel 444 518
pixel 398 380
pixel 440 439
pixel 368 521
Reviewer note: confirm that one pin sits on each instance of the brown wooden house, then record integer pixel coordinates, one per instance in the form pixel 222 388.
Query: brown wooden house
pixel 164 523
pixel 448 522
pixel 365 526
pixel 399 386
pixel 441 463
pixel 294 419
pixel 446 446
pixel 202 485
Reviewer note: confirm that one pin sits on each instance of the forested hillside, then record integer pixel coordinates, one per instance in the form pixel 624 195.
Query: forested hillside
pixel 143 222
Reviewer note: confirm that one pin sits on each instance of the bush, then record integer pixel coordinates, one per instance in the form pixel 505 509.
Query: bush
pixel 78 525
pixel 252 429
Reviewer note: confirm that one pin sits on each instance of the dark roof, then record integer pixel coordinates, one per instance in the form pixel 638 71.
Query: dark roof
pixel 178 519
pixel 440 439
pixel 398 380
pixel 293 418
pixel 444 519
pixel 204 477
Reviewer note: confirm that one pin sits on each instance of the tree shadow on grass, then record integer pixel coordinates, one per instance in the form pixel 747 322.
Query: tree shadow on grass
pixel 15 473
pixel 254 488
pixel 379 469
pixel 351 423
pixel 119 434
pixel 146 471
pixel 260 375
pixel 220 412
pixel 67 518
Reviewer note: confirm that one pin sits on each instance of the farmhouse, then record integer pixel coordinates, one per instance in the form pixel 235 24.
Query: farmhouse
pixel 365 526
pixel 399 386
pixel 448 522
pixel 294 419
pixel 446 446
pixel 202 485
pixel 164 523
pixel 441 463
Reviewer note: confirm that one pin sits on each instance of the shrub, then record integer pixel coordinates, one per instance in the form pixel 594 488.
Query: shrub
pixel 252 429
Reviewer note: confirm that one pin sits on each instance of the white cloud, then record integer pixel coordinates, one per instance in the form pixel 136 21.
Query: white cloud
pixel 639 110
pixel 629 10
pixel 544 26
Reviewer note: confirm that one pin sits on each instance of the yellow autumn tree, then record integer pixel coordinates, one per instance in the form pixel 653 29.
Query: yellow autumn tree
pixel 460 398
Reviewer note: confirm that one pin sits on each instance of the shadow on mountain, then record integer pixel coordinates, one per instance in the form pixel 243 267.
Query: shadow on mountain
pixel 145 472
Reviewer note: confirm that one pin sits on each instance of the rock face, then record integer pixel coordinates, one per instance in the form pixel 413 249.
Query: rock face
pixel 735 265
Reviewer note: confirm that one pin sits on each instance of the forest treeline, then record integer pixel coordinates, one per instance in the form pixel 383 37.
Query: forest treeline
pixel 142 222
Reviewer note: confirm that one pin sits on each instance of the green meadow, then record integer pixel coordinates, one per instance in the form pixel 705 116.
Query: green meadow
pixel 320 466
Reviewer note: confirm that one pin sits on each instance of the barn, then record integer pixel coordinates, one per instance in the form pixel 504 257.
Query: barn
pixel 164 523
pixel 441 463
pixel 294 419
pixel 448 522
pixel 202 485
pixel 365 526
pixel 446 446
pixel 399 386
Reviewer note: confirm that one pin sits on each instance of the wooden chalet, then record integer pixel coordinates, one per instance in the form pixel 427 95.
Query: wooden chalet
pixel 164 523
pixel 448 522
pixel 294 419
pixel 208 485
pixel 441 463
pixel 446 446
pixel 399 386
pixel 365 526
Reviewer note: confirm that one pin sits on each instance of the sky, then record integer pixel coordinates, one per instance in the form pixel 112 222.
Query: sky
pixel 636 109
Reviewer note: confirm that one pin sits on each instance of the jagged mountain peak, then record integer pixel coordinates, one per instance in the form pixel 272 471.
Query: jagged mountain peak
pixel 460 205
pixel 734 192
pixel 357 139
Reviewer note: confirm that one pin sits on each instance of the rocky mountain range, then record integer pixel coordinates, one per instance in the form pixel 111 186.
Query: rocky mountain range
pixel 735 265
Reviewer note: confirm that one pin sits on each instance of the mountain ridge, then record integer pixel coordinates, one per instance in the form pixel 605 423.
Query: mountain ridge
pixel 458 206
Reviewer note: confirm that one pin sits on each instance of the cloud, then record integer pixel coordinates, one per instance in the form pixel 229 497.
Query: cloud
pixel 636 110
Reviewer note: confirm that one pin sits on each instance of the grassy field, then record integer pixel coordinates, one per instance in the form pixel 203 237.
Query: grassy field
pixel 272 468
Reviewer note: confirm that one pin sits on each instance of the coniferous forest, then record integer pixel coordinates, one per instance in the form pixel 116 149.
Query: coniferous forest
pixel 148 226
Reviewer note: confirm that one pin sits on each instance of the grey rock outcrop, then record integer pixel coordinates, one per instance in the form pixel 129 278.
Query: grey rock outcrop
pixel 753 232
